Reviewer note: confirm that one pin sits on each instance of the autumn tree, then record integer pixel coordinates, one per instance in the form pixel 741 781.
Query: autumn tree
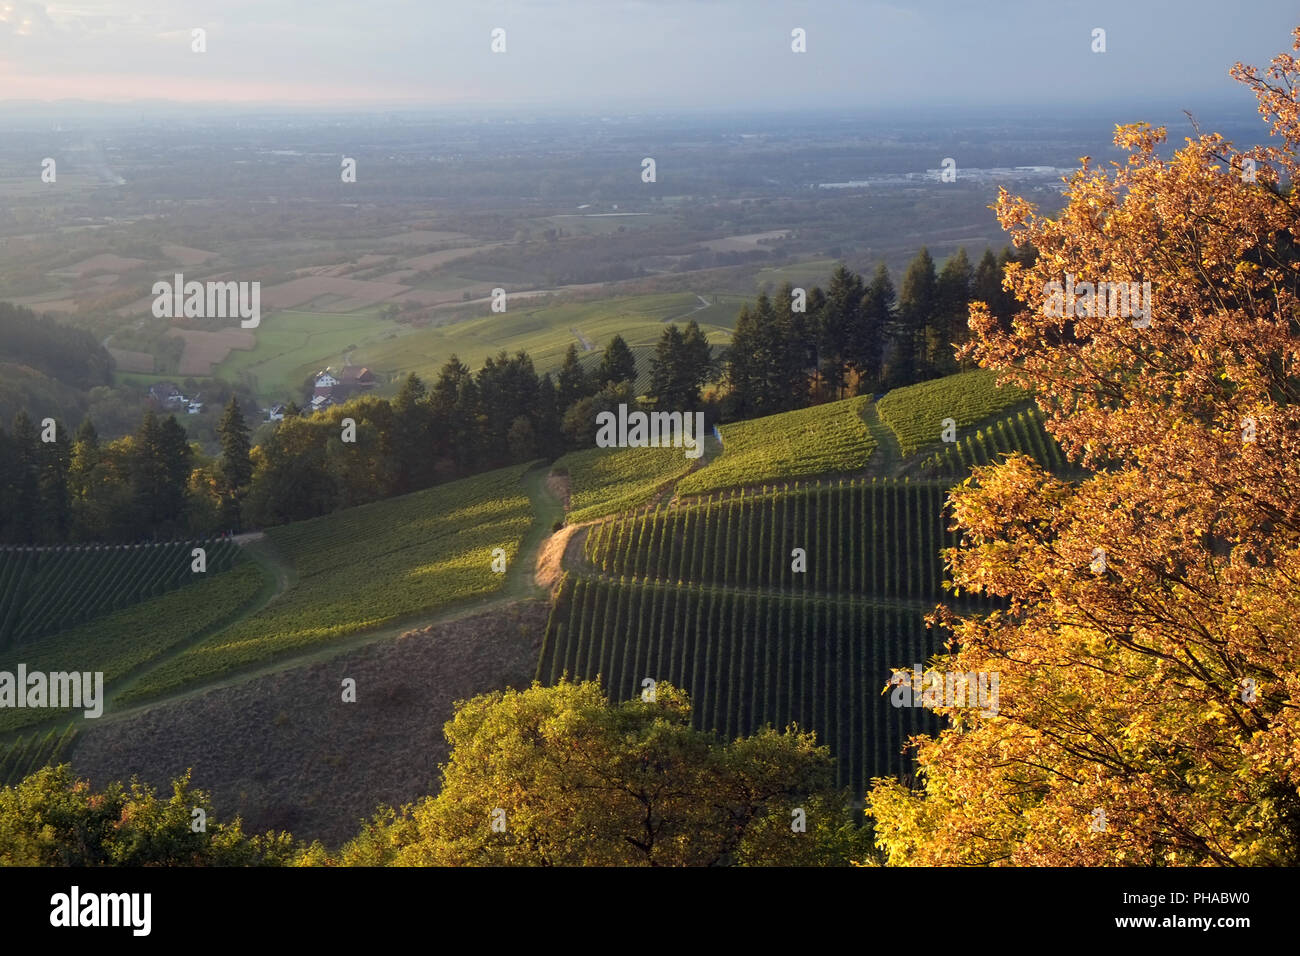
pixel 560 776
pixel 1149 706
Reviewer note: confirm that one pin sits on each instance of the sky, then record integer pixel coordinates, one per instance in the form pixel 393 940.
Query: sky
pixel 638 54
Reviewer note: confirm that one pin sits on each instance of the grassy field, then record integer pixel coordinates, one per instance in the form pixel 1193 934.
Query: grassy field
pixel 863 537
pixel 807 274
pixel 365 567
pixel 915 413
pixel 822 440
pixel 292 345
pixel 605 481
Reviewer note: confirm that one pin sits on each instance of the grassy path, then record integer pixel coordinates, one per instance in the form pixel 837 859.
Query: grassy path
pixel 887 457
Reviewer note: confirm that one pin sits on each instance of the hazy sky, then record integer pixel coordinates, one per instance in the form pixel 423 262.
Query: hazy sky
pixel 637 53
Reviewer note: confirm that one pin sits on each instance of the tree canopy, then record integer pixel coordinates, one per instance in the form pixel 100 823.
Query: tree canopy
pixel 1149 694
pixel 561 776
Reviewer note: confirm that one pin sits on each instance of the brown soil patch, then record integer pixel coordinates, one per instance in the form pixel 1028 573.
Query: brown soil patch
pixel 283 751
pixel 128 361
pixel 296 292
pixel 205 349
pixel 104 262
pixel 185 255
pixel 432 260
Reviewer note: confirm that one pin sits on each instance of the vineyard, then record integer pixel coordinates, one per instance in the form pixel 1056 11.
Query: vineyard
pixel 861 537
pixel 750 659
pixel 714 596
pixel 605 481
pixel 915 413
pixel 1022 432
pixel 27 755
pixel 122 641
pixel 43 591
pixel 365 567
pixel 822 440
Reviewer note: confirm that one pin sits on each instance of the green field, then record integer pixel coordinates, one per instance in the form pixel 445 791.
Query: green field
pixel 292 345
pixel 706 595
pixel 365 567
pixel 915 413
pixel 866 537
pixel 604 481
pixel 822 440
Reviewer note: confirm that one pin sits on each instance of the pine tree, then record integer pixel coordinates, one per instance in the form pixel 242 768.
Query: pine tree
pixel 952 300
pixel 837 325
pixel 572 382
pixel 877 320
pixel 235 472
pixel 916 309
pixel 618 364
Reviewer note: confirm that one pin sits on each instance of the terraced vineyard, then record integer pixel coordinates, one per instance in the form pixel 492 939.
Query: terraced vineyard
pixel 1022 432
pixel 122 641
pixel 704 594
pixel 43 591
pixel 915 413
pixel 26 755
pixel 876 537
pixel 605 481
pixel 365 567
pixel 811 442
pixel 749 659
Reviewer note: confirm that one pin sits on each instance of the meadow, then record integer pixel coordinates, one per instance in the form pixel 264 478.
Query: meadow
pixel 365 567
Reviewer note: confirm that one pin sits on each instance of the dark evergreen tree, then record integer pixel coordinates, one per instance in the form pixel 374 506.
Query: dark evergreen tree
pixel 234 473
pixel 952 306
pixel 572 382
pixel 838 323
pixel 877 321
pixel 618 364
pixel 916 310
pixel 52 486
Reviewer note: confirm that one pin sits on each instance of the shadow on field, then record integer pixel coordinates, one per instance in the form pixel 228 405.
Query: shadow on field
pixel 285 752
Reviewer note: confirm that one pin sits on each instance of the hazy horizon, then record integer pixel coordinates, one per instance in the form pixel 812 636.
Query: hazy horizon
pixel 619 55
